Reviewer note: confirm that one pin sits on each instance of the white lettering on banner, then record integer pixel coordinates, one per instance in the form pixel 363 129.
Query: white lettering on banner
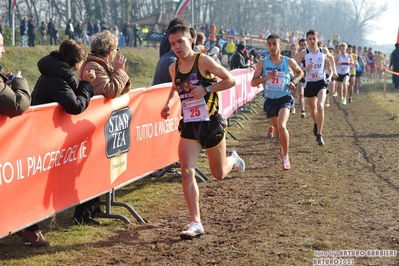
pixel 118 122
pixel 147 131
pixel 41 163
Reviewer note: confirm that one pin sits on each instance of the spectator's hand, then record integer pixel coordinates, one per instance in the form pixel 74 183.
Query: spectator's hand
pixel 165 112
pixel 120 61
pixel 89 75
pixel 18 74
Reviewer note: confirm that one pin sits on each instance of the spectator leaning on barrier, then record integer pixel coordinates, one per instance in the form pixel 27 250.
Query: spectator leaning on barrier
pixel 111 81
pixel 194 81
pixel 14 100
pixel 57 83
pixel 238 59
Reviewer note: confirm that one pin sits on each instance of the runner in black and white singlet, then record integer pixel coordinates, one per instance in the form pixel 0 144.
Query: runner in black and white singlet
pixel 316 87
pixel 202 127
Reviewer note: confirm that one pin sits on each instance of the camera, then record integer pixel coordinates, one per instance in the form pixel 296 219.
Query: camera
pixel 11 77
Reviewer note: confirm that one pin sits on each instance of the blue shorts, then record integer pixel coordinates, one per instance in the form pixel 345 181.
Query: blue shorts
pixel 273 106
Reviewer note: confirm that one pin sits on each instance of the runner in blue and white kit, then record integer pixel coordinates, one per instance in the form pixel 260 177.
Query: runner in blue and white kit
pixel 274 72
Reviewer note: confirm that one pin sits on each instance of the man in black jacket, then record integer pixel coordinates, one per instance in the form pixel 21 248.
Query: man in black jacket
pixel 238 58
pixel 394 65
pixel 32 31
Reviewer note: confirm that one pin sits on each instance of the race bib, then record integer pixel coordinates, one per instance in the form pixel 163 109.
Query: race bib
pixel 276 83
pixel 195 110
pixel 313 76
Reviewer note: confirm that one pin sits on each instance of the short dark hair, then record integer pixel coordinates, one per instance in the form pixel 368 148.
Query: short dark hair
pixel 240 46
pixel 397 45
pixel 273 36
pixel 72 51
pixel 301 40
pixel 178 25
pixel 311 32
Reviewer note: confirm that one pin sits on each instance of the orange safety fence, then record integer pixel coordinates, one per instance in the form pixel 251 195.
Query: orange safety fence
pixel 51 161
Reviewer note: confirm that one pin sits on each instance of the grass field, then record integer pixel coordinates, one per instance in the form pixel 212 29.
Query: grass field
pixel 141 61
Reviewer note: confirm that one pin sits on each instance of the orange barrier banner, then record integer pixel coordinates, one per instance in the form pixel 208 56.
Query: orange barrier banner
pixel 51 161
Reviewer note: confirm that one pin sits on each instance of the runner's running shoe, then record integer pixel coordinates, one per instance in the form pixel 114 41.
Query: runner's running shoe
pixel 286 164
pixel 319 140
pixel 240 164
pixel 194 230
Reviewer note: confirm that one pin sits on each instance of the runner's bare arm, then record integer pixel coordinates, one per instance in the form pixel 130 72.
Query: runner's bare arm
pixel 297 70
pixel 331 60
pixel 173 94
pixel 210 66
pixel 257 77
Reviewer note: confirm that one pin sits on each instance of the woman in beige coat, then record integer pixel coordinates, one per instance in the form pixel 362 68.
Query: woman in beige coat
pixel 111 81
pixel 110 66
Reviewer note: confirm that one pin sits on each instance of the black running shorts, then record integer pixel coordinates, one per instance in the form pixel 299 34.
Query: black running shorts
pixel 313 87
pixel 208 133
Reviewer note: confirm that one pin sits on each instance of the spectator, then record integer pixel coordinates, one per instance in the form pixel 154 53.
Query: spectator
pixel 115 30
pixel 14 100
pixel 230 49
pixel 109 66
pixel 238 59
pixel 200 43
pixel 394 65
pixel 69 30
pixel 90 28
pixel 52 31
pixel 127 32
pixel 43 32
pixel 137 41
pixel 97 27
pixel 14 95
pixel 23 31
pixel 162 74
pixel 104 24
pixel 79 30
pixel 32 31
pixel 57 83
pixel 111 82
pixel 221 32
pixel 164 47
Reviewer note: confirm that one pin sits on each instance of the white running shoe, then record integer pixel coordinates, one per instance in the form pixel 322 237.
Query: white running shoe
pixel 286 164
pixel 194 230
pixel 240 164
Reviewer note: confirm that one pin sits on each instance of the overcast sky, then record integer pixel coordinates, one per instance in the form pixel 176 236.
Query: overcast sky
pixel 386 28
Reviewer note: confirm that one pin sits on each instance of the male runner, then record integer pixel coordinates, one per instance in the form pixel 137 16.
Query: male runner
pixel 202 127
pixel 316 87
pixel 274 72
